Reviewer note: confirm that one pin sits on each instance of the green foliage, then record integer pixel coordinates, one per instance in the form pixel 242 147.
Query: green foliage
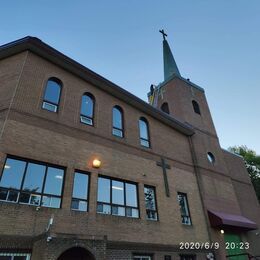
pixel 252 162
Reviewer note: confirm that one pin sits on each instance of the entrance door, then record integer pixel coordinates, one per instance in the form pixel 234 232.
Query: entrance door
pixel 233 247
pixel 76 253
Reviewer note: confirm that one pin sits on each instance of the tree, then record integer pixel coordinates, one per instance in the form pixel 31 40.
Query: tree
pixel 252 162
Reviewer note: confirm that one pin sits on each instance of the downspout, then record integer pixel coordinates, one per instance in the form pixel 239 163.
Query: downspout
pixel 198 178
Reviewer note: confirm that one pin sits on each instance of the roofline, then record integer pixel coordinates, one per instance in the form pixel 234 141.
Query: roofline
pixel 235 154
pixel 42 49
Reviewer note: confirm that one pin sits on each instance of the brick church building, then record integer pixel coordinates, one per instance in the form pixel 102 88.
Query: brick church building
pixel 90 171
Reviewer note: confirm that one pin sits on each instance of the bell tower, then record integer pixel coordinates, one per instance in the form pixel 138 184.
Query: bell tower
pixel 179 97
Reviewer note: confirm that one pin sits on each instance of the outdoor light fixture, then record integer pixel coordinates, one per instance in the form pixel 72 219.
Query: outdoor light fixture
pixel 222 231
pixel 96 163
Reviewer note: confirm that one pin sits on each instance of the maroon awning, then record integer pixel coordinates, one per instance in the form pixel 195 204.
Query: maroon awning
pixel 223 220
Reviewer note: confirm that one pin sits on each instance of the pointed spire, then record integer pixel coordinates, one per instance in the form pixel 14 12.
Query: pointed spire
pixel 170 66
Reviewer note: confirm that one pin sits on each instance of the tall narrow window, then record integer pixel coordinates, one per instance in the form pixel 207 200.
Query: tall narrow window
pixel 150 203
pixel 87 109
pixel 117 198
pixel 196 107
pixel 184 208
pixel 27 182
pixel 144 132
pixel 52 93
pixel 165 108
pixel 118 128
pixel 80 192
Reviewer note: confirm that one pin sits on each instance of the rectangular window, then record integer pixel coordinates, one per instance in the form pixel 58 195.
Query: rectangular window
pixel 150 203
pixel 167 257
pixel 80 191
pixel 32 183
pixel 14 256
pixel 184 208
pixel 117 198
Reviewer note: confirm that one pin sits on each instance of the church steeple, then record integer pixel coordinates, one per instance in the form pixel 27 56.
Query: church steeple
pixel 170 66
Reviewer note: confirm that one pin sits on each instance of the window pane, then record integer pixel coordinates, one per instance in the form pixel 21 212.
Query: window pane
pixel 80 186
pixel 51 202
pixel 185 215
pixel 104 190
pixel 103 208
pixel 118 211
pixel 3 194
pixel 50 107
pixel 12 196
pixel 130 212
pixel 24 198
pixel 87 106
pixel 80 205
pixel 149 198
pixel 52 92
pixel 13 174
pixel 34 177
pixel 118 192
pixel 35 199
pixel 145 143
pixel 143 129
pixel 54 180
pixel 117 118
pixel 131 195
pixel 183 204
pixel 117 132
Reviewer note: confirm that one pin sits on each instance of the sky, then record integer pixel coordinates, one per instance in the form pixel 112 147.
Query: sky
pixel 216 44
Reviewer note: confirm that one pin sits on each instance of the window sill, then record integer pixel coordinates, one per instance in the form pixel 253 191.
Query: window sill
pixel 117 217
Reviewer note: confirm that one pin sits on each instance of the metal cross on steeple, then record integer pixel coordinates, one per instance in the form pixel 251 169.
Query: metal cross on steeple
pixel 163 34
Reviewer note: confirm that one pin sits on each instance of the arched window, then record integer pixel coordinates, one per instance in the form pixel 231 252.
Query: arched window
pixel 144 132
pixel 211 157
pixel 52 93
pixel 87 109
pixel 165 108
pixel 118 124
pixel 196 107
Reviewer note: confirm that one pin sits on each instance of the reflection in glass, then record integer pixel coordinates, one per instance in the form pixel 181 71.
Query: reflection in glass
pixel 122 201
pixel 150 203
pixel 54 180
pixel 34 177
pixel 87 109
pixel 80 205
pixel 131 195
pixel 183 203
pixel 52 92
pixel 51 202
pixel 119 211
pixel 118 192
pixel 80 186
pixel 103 190
pixel 144 133
pixel 13 174
pixel 52 95
pixel 117 121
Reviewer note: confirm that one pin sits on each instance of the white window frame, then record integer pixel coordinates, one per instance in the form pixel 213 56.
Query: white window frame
pixel 28 256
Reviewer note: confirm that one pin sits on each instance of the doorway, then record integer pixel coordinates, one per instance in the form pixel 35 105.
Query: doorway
pixel 76 253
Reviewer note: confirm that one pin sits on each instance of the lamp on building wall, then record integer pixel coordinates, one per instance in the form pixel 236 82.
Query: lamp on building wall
pixel 222 231
pixel 96 163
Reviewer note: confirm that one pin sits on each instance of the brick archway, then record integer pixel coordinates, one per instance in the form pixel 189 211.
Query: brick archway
pixel 78 253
